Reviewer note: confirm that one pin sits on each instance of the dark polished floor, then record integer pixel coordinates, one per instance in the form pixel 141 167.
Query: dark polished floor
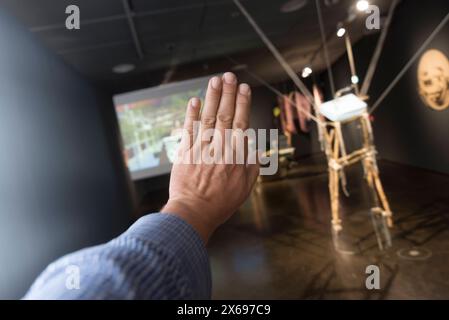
pixel 279 245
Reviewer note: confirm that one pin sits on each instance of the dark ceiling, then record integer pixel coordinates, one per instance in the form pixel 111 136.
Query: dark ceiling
pixel 184 38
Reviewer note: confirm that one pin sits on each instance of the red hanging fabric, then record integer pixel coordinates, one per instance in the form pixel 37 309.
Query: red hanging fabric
pixel 282 116
pixel 289 115
pixel 303 109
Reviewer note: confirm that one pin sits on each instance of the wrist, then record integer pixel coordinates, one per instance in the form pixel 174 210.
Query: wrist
pixel 194 213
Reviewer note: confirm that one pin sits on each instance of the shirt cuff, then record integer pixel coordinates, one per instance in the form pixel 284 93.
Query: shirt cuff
pixel 179 239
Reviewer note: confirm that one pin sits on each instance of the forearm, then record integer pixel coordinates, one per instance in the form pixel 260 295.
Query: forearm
pixel 195 214
pixel 158 257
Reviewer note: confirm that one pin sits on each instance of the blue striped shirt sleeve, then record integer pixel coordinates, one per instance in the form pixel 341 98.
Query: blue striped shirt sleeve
pixel 159 257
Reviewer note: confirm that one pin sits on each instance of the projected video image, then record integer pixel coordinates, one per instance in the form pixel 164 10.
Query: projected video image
pixel 151 129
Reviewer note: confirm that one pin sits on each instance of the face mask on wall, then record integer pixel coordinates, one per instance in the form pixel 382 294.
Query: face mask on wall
pixel 433 79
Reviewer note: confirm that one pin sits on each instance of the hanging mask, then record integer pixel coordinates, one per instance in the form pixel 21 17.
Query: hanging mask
pixel 433 79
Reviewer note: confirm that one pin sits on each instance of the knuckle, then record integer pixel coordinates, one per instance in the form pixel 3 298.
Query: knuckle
pixel 191 116
pixel 243 100
pixel 240 124
pixel 229 90
pixel 214 92
pixel 225 119
pixel 209 121
pixel 189 131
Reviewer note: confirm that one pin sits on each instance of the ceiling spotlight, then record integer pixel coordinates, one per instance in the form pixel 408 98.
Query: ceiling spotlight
pixel 123 68
pixel 362 5
pixel 307 71
pixel 354 79
pixel 293 5
pixel 340 30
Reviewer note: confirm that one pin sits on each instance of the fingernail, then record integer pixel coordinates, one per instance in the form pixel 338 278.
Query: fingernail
pixel 215 82
pixel 229 78
pixel 244 89
pixel 195 102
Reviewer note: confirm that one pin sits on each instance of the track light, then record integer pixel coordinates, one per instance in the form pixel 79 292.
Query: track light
pixel 362 5
pixel 307 71
pixel 354 79
pixel 340 30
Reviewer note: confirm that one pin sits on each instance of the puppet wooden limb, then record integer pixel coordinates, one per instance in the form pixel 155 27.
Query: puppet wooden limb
pixel 338 160
pixel 370 165
pixel 334 180
pixel 370 182
pixel 334 194
pixel 387 211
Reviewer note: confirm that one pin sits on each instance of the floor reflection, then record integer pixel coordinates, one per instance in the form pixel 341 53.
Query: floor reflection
pixel 279 244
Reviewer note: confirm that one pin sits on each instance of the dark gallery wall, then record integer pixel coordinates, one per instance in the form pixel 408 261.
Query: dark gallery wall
pixel 60 187
pixel 406 130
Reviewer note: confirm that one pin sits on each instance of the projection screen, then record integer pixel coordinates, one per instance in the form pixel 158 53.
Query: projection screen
pixel 150 122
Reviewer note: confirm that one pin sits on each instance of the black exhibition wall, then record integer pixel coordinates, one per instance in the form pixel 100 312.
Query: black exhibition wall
pixel 61 184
